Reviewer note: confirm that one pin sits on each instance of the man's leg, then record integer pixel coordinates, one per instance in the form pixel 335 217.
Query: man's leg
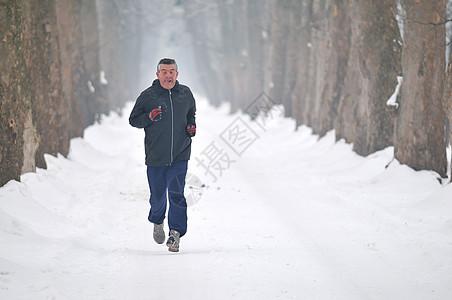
pixel 177 213
pixel 157 186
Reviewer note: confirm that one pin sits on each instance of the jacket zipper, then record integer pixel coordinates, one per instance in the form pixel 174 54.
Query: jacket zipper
pixel 172 128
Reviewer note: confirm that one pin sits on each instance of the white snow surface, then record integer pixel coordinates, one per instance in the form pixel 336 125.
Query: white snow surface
pixel 289 216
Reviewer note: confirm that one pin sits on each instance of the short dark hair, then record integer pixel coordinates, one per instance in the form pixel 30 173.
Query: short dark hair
pixel 166 61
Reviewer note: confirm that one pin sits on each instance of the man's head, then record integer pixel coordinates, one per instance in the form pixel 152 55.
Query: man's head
pixel 167 73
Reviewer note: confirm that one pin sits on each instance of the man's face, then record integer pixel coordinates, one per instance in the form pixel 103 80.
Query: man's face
pixel 167 76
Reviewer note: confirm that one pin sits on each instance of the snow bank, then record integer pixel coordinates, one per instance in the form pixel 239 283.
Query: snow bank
pixel 283 215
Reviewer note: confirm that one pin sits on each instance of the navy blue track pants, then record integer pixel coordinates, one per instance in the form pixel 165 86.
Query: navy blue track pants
pixel 163 181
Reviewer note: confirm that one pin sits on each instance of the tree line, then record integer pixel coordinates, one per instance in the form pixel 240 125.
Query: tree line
pixel 62 63
pixel 334 64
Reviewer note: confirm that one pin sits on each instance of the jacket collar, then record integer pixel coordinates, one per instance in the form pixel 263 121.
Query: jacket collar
pixel 160 89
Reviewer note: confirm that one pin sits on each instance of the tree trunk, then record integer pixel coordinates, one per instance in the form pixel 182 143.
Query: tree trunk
pixel 279 52
pixel 339 56
pixel 380 67
pixel 70 42
pixel 351 121
pixel 323 63
pixel 258 23
pixel 41 51
pixel 300 98
pixel 420 126
pixel 205 33
pixel 15 96
pixel 235 52
pixel 371 77
pixel 447 97
pixel 116 47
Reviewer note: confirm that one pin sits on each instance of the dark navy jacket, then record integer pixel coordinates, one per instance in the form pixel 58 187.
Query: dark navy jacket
pixel 166 141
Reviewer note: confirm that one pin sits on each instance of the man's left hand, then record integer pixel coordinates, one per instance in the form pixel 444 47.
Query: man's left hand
pixel 191 130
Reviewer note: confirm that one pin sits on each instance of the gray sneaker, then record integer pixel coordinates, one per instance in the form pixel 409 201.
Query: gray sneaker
pixel 159 233
pixel 173 241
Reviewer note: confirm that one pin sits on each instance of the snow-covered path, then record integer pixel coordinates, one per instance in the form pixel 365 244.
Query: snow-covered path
pixel 282 215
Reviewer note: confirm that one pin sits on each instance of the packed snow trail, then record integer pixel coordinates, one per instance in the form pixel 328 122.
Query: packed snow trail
pixel 282 215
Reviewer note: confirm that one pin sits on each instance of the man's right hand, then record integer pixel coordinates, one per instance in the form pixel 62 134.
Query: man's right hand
pixel 156 114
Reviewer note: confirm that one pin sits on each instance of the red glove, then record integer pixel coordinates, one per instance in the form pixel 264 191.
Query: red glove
pixel 156 114
pixel 191 130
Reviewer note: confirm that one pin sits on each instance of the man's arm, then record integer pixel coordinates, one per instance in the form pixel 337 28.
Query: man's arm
pixel 192 112
pixel 191 123
pixel 139 117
